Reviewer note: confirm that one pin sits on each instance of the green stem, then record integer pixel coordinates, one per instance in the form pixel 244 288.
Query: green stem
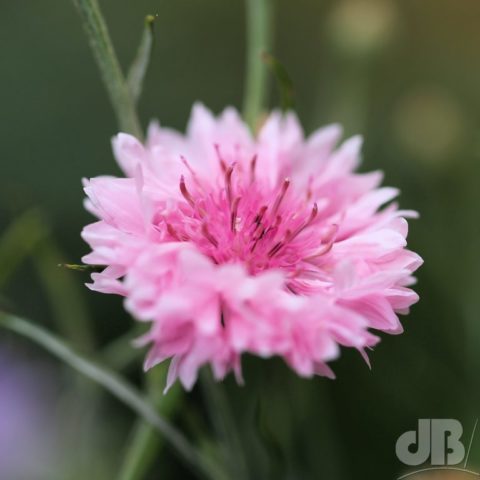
pixel 141 452
pixel 119 354
pixel 107 62
pixel 222 417
pixel 146 444
pixel 116 385
pixel 259 40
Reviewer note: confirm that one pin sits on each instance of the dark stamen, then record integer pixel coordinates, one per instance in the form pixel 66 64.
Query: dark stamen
pixel 290 287
pixel 206 233
pixel 223 166
pixel 301 228
pixel 185 192
pixel 281 195
pixel 171 230
pixel 258 218
pixel 233 217
pixel 309 189
pixel 228 182
pixel 255 244
pixel 327 243
pixel 253 165
pixel 193 173
pixel 279 245
pixel 275 249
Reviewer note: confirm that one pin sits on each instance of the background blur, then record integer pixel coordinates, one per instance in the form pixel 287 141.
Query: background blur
pixel 404 73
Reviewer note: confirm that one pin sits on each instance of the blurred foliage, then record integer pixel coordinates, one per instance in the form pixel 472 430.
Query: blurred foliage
pixel 404 73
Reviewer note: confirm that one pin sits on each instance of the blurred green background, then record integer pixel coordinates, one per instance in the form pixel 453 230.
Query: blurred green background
pixel 404 73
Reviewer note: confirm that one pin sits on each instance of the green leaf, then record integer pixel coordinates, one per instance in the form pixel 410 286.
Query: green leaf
pixel 285 84
pixel 139 67
pixel 82 268
pixel 116 385
pixel 259 15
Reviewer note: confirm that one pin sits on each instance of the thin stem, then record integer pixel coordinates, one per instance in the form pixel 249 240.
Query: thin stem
pixel 113 78
pixel 145 443
pixel 259 40
pixel 222 417
pixel 116 385
pixel 142 450
pixel 119 354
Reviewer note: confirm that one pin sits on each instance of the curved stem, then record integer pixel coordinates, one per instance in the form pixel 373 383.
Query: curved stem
pixel 113 78
pixel 142 450
pixel 145 444
pixel 119 354
pixel 259 40
pixel 116 385
pixel 224 422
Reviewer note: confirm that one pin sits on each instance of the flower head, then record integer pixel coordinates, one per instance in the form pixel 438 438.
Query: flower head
pixel 230 244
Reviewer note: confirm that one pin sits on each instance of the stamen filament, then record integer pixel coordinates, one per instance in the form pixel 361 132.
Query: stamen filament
pixel 228 182
pixel 233 217
pixel 223 165
pixel 253 166
pixel 206 233
pixel 186 193
pixel 281 196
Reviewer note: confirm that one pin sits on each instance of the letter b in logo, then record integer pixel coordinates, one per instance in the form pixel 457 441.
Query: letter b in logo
pixel 438 439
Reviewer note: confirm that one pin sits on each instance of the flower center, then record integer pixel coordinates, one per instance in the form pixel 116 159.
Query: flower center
pixel 237 218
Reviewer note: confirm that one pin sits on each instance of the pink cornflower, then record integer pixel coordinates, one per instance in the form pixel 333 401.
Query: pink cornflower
pixel 230 244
